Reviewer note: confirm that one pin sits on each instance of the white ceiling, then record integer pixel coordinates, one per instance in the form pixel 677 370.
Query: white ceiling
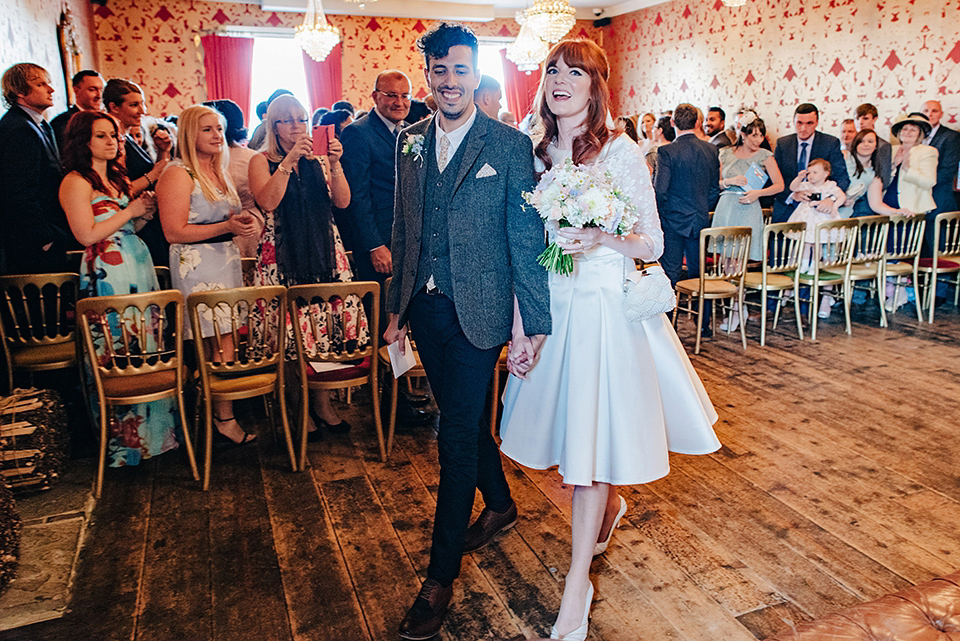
pixel 465 10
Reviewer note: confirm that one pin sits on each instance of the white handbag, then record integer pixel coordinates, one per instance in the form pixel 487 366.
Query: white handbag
pixel 646 293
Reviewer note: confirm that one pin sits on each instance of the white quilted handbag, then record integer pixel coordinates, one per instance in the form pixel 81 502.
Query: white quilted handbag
pixel 646 293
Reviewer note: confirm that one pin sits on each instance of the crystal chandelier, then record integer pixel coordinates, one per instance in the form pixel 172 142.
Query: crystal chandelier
pixel 529 49
pixel 734 3
pixel 551 19
pixel 316 36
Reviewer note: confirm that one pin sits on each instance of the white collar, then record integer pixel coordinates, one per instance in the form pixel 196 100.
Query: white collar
pixel 35 115
pixel 457 135
pixel 390 125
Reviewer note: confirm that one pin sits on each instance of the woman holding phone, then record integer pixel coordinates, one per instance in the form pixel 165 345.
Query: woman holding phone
pixel 296 182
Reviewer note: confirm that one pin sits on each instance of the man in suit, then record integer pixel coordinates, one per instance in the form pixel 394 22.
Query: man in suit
pixel 88 92
pixel 795 151
pixel 687 183
pixel 716 127
pixel 30 175
pixel 368 161
pixel 866 118
pixel 947 143
pixel 124 101
pixel 464 253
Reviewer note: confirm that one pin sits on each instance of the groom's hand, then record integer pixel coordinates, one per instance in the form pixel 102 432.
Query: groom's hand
pixel 522 354
pixel 394 333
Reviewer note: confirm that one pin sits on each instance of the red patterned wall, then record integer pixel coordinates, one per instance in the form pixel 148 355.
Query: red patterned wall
pixel 153 45
pixel 775 54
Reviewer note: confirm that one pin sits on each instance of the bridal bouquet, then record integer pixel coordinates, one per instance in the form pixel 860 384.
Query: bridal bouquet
pixel 579 196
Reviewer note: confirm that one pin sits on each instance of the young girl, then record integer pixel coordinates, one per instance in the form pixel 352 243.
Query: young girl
pixel 813 183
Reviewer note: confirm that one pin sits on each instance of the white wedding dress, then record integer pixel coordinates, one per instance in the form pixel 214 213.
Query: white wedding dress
pixel 608 398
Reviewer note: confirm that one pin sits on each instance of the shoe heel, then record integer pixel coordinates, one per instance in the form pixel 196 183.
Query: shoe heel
pixel 580 634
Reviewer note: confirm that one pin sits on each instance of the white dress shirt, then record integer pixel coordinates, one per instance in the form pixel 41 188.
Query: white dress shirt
pixel 455 137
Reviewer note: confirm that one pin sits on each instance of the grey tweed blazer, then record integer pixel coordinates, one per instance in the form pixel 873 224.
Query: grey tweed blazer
pixel 494 241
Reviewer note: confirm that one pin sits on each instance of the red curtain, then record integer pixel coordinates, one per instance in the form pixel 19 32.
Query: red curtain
pixel 324 79
pixel 229 66
pixel 520 87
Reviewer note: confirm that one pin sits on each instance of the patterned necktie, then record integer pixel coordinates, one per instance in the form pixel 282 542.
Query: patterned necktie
pixel 802 163
pixel 444 153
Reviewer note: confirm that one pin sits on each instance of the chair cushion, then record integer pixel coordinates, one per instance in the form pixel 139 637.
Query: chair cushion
pixel 943 263
pixel 140 384
pixel 859 272
pixel 233 384
pixel 711 287
pixel 774 281
pixel 824 275
pixel 353 370
pixel 61 354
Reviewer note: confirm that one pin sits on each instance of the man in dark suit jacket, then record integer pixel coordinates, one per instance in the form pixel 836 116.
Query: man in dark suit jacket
pixel 124 100
pixel 687 183
pixel 866 118
pixel 947 143
pixel 30 175
pixel 715 126
pixel 88 93
pixel 369 146
pixel 795 151
pixel 463 247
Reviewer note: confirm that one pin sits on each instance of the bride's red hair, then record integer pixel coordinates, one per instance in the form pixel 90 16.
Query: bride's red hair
pixel 588 56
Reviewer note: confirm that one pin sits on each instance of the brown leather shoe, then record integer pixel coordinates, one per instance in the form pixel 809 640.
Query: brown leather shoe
pixel 425 617
pixel 488 525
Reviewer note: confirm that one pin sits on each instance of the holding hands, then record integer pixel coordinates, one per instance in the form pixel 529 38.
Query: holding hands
pixel 573 240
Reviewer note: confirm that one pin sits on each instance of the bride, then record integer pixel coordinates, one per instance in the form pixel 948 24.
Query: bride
pixel 608 397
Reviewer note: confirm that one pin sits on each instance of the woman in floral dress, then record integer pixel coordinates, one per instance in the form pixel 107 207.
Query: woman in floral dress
pixel 200 213
pixel 301 243
pixel 95 196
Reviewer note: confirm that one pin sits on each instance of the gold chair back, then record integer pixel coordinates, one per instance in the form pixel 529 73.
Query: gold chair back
pixel 310 307
pixel 946 247
pixel 163 277
pixel 37 323
pixel 780 272
pixel 833 256
pixel 134 348
pixel 727 248
pixel 905 238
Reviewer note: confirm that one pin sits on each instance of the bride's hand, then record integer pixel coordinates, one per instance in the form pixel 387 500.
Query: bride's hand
pixel 522 354
pixel 573 240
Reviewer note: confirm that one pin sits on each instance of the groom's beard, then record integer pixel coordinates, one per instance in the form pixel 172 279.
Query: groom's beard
pixel 452 115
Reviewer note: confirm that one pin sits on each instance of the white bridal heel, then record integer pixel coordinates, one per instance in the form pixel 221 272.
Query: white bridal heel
pixel 580 634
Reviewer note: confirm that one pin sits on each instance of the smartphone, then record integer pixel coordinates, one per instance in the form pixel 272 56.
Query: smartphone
pixel 322 135
pixel 816 196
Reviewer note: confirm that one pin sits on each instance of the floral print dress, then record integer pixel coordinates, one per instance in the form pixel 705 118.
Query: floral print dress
pixel 342 324
pixel 121 264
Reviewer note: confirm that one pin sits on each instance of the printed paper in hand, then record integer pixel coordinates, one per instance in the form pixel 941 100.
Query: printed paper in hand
pixel 756 177
pixel 401 362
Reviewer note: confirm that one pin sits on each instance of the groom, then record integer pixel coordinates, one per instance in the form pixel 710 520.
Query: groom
pixel 463 247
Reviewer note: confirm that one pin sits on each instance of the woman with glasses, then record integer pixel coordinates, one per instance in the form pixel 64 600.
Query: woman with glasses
pixel 301 244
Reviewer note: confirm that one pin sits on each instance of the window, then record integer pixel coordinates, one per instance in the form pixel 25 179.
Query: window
pixel 277 64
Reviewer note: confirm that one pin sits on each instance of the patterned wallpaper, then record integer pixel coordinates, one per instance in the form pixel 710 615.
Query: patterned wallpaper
pixel 775 54
pixel 29 29
pixel 153 45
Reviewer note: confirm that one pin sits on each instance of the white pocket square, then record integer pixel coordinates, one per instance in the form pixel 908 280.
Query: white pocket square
pixel 486 170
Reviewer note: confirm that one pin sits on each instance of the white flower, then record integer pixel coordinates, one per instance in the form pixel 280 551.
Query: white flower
pixel 413 145
pixel 189 260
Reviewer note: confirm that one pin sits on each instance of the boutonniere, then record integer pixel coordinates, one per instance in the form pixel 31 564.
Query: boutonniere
pixel 413 145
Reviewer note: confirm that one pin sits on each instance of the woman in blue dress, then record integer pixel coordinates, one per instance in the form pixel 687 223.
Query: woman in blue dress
pixel 95 196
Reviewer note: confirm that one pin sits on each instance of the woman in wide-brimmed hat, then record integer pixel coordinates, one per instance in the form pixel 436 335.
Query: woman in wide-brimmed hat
pixel 914 166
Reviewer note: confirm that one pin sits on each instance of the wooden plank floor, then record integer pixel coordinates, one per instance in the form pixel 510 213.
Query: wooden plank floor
pixel 837 483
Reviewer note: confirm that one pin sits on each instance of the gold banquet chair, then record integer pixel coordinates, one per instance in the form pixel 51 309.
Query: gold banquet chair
pixel 945 259
pixel 831 265
pixel 779 273
pixel 256 317
pixel 37 323
pixel 903 255
pixel 723 263
pixel 869 260
pixel 306 300
pixel 134 347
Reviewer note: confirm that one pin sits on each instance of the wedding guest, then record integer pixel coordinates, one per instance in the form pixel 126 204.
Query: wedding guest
pixel 318 113
pixel 30 175
pixel 88 93
pixel 626 124
pixel 95 196
pixel 344 105
pixel 259 134
pixel 200 213
pixel 339 118
pixel 716 127
pixel 300 243
pixel 239 170
pixel 864 196
pixel 947 143
pixel 848 129
pixel 488 95
pixel 866 118
pixel 508 118
pixel 739 203
pixel 607 397
pixel 663 134
pixel 648 122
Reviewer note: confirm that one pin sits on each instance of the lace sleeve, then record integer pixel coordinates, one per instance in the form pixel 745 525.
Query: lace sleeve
pixel 627 165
